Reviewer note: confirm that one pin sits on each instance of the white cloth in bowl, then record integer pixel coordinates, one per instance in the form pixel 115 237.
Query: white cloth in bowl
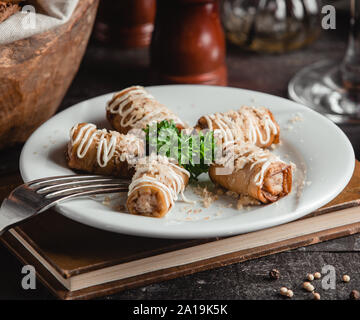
pixel 37 17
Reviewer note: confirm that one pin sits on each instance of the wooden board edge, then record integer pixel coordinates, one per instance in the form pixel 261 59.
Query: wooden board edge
pixel 212 263
pixel 66 274
pixel 171 273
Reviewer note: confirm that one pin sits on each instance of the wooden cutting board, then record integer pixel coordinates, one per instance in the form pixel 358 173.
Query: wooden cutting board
pixel 73 260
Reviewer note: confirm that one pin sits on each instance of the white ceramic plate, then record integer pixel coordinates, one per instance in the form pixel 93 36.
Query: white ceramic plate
pixel 322 153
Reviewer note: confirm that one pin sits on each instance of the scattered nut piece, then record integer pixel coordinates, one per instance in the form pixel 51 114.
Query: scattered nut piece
pixel 345 278
pixel 283 291
pixel 354 295
pixel 317 275
pixel 239 206
pixel 310 277
pixel 106 201
pixel 274 274
pixel 208 197
pixel 290 293
pixel 308 286
pixel 245 201
pixel 232 194
pixel 120 208
pixel 220 192
pixel 316 296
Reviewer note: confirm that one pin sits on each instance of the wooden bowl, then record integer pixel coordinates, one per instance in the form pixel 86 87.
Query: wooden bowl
pixel 36 72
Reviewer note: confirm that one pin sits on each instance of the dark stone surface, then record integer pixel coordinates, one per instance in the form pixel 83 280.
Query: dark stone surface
pixel 105 70
pixel 247 280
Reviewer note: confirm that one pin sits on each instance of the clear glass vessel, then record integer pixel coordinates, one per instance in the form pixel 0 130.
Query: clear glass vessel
pixel 333 87
pixel 272 26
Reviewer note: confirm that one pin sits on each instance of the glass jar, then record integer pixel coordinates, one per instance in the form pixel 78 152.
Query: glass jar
pixel 272 26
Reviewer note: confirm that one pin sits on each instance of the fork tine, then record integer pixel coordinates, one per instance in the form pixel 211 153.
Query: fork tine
pixel 75 177
pixel 56 178
pixel 37 184
pixel 86 182
pixel 80 189
pixel 24 202
pixel 84 193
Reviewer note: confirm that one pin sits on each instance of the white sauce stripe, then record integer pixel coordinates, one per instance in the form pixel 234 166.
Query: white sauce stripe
pixel 248 154
pixel 167 177
pixel 245 124
pixel 106 143
pixel 137 108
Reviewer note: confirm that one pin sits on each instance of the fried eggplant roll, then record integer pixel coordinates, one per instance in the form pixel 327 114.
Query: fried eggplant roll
pixel 249 170
pixel 155 186
pixel 248 124
pixel 103 152
pixel 134 108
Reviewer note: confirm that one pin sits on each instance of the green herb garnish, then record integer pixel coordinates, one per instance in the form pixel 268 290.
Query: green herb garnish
pixel 195 151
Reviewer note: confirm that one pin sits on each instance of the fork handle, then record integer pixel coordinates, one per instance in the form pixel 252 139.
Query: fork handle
pixel 11 215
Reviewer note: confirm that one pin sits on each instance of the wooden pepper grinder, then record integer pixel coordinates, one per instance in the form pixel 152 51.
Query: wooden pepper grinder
pixel 188 44
pixel 125 23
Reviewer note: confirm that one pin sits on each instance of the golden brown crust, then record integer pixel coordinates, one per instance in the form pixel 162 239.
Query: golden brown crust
pixel 116 166
pixel 276 138
pixel 115 118
pixel 242 181
pixel 154 196
pixel 249 170
pixel 142 106
pixel 238 125
pixel 7 9
pixel 158 209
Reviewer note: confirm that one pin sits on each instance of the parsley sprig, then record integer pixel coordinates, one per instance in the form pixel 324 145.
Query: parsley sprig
pixel 194 151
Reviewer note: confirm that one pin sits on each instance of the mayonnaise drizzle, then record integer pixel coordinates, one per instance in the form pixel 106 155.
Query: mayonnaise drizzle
pixel 168 178
pixel 244 124
pixel 137 108
pixel 105 150
pixel 248 154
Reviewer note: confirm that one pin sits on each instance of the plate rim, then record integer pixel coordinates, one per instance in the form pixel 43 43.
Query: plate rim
pixel 184 234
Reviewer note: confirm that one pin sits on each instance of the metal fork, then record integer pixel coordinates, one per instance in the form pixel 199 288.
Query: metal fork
pixel 39 195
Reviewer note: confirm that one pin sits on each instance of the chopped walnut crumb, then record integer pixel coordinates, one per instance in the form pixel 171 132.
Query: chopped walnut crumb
pixel 296 118
pixel 106 201
pixel 246 201
pixel 232 194
pixel 120 207
pixel 208 196
pixel 239 206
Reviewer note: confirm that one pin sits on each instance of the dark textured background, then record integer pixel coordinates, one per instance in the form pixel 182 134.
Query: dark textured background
pixel 104 70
